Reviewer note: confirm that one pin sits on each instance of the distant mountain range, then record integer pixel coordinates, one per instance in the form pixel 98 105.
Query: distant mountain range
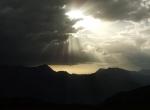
pixel 44 84
pixel 136 96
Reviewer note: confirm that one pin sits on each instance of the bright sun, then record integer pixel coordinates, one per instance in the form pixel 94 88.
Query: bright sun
pixel 85 21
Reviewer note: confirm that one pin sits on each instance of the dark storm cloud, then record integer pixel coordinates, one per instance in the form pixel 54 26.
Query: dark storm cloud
pixel 33 32
pixel 27 27
pixel 121 9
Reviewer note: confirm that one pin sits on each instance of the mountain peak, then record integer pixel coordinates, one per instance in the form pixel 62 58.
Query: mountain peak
pixel 44 67
pixel 111 70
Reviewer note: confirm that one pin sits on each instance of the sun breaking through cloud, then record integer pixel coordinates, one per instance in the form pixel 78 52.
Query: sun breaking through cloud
pixel 107 33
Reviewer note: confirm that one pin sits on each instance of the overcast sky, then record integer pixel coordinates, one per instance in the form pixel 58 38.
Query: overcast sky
pixel 33 32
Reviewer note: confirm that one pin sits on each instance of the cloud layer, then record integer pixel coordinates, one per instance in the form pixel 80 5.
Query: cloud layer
pixel 29 31
pixel 121 9
pixel 34 32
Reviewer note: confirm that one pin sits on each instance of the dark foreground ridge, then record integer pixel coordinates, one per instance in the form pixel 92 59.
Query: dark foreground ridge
pixel 41 85
pixel 136 96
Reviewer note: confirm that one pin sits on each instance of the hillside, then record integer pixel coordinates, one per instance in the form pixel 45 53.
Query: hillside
pixel 44 84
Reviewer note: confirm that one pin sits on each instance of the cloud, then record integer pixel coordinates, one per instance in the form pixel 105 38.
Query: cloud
pixel 29 28
pixel 34 32
pixel 130 52
pixel 126 45
pixel 121 9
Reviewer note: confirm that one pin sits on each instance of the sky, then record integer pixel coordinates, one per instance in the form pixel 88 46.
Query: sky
pixel 106 33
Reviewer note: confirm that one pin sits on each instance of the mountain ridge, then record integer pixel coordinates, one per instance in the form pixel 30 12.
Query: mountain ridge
pixel 62 87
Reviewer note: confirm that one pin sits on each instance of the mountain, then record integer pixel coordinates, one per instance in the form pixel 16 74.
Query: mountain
pixel 136 98
pixel 97 87
pixel 36 82
pixel 143 77
pixel 44 84
pixel 145 71
pixel 113 80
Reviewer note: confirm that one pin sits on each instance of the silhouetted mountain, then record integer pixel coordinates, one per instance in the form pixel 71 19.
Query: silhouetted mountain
pixel 36 82
pixel 113 80
pixel 145 72
pixel 135 98
pixel 44 84
pixel 143 77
